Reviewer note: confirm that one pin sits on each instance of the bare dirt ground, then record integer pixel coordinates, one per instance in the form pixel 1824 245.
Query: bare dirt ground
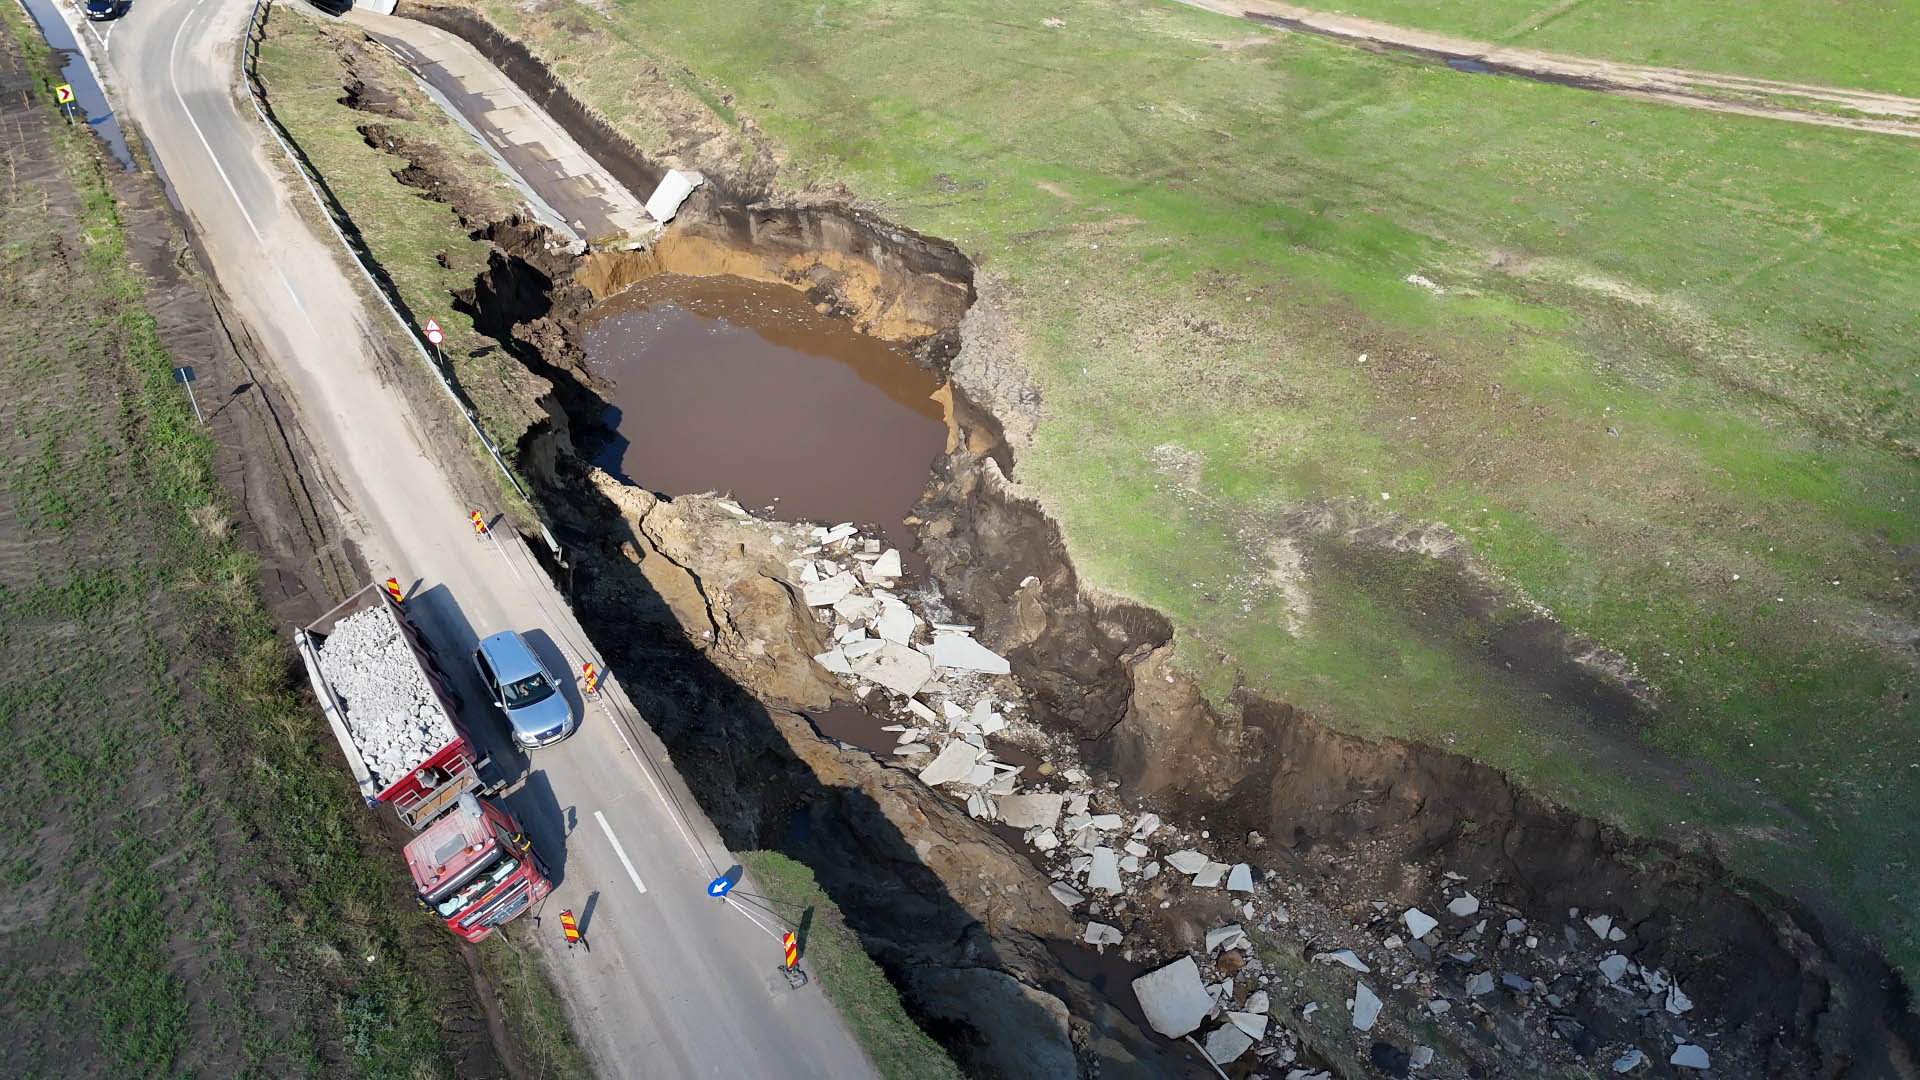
pixel 1858 110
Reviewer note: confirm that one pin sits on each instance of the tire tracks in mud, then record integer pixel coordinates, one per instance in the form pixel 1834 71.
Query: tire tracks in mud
pixel 1740 95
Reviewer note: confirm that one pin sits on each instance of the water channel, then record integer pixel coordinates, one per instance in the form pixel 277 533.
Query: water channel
pixel 90 103
pixel 723 384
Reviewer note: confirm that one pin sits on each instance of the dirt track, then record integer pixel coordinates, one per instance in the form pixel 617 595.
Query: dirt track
pixel 1886 114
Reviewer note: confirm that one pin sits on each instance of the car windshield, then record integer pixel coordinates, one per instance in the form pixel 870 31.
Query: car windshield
pixel 490 875
pixel 530 690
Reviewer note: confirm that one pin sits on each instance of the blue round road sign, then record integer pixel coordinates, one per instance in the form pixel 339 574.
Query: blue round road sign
pixel 719 886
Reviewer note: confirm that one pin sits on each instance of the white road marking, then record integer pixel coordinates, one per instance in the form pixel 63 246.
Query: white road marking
pixel 173 80
pixel 618 850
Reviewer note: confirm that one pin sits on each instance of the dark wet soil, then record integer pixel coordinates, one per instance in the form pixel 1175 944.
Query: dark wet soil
pixel 722 384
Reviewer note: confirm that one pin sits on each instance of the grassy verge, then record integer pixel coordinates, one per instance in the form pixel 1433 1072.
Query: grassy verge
pixel 532 1007
pixel 840 966
pixel 1649 365
pixel 194 888
pixel 423 246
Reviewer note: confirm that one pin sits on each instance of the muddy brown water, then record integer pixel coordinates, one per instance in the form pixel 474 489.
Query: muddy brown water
pixel 722 384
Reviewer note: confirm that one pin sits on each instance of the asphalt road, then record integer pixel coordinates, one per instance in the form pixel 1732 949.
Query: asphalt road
pixel 676 984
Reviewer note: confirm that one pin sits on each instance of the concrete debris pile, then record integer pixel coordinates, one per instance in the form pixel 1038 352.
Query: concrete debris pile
pixel 391 710
pixel 1456 959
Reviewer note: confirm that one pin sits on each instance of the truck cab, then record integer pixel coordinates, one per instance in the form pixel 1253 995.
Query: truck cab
pixel 474 867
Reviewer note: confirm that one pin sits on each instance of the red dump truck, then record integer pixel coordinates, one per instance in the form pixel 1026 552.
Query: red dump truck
pixel 398 725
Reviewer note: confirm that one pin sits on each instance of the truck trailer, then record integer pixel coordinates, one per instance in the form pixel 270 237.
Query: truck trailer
pixel 398 725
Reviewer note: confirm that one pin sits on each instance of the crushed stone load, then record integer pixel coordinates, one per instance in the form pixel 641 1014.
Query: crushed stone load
pixel 391 710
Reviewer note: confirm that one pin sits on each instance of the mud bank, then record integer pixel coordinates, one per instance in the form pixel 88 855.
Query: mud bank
pixel 695 593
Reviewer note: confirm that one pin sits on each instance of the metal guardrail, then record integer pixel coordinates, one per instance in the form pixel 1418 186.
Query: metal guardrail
pixel 334 213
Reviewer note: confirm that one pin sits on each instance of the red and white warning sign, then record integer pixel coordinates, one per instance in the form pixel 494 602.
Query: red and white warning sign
pixel 433 332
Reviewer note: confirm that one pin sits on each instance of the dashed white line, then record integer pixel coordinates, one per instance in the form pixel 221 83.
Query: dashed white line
pixel 618 850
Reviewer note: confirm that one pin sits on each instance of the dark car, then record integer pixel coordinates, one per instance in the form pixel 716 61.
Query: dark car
pixel 101 10
pixel 521 686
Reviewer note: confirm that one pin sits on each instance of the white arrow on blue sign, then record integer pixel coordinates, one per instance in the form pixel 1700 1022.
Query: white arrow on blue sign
pixel 719 886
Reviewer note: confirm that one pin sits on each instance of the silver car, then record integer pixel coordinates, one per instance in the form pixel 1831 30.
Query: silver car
pixel 521 686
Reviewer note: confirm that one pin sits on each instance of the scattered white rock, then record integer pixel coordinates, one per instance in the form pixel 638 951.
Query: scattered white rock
pixel 1600 924
pixel 1146 826
pixel 1438 1006
pixel 1419 923
pixel 1515 926
pixel 1481 983
pixel 1629 1061
pixel 897 623
pixel 886 566
pixel 1240 878
pixel 1173 998
pixel 1136 849
pixel 1100 935
pixel 1677 1002
pixel 1257 1002
pixel 1366 1007
pixel 834 660
pixel 1464 905
pixel 1420 1057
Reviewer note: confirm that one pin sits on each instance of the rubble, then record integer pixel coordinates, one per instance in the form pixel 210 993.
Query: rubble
pixel 1343 956
pixel 391 710
pixel 1105 872
pixel 1227 1043
pixel 1100 935
pixel 1463 905
pixel 1240 878
pixel 894 666
pixel 1419 923
pixel 955 650
pixel 1629 1061
pixel 1173 998
pixel 1366 1007
pixel 1188 861
pixel 1039 810
pixel 1689 1056
pixel 954 762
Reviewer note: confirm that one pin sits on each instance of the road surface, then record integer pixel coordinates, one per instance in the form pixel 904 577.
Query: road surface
pixel 676 984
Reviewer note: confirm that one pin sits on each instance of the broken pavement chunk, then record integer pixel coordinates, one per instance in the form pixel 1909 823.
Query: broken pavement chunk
pixel 1464 905
pixel 1211 875
pixel 1343 956
pixel 1173 998
pixel 1188 861
pixel 887 565
pixel 1419 923
pixel 1240 878
pixel 672 190
pixel 1689 1056
pixel 1226 1043
pixel 1031 811
pixel 1366 1007
pixel 1067 894
pixel 829 592
pixel 1105 873
pixel 1230 936
pixel 835 661
pixel 961 652
pixel 1253 1023
pixel 954 762
pixel 1613 966
pixel 894 666
pixel 1100 935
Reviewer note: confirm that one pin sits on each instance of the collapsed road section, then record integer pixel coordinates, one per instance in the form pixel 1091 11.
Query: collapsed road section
pixel 1242 862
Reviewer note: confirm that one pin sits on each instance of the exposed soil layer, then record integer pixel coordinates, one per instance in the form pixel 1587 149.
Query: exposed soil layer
pixel 674 588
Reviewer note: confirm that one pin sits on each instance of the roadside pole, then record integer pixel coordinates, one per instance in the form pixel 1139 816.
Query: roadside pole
pixel 185 376
pixel 64 95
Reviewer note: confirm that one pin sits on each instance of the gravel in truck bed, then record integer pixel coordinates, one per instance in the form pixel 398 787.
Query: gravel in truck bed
pixel 391 710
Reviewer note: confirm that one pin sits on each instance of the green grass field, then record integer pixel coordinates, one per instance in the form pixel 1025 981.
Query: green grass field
pixel 1846 43
pixel 1664 387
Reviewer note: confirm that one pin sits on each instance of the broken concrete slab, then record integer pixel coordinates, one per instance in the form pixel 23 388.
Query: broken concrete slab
pixel 919 708
pixel 1257 1002
pixel 896 622
pixel 1044 840
pixel 673 190
pixel 1173 998
pixel 1104 875
pixel 861 647
pixel 1343 956
pixel 1600 924
pixel 1230 936
pixel 981 776
pixel 1211 875
pixel 1040 810
pixel 856 608
pixel 896 667
pixel 954 762
pixel 1136 849
pixel 1100 935
pixel 1226 1044
pixel 1188 861
pixel 828 592
pixel 1107 822
pixel 976 805
pixel 1067 894
pixel 1253 1023
pixel 1419 923
pixel 1689 1056
pixel 1464 905
pixel 887 565
pixel 1629 1061
pixel 1481 983
pixel 1146 826
pixel 834 660
pixel 962 653
pixel 1366 1007
pixel 1613 966
pixel 1240 878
